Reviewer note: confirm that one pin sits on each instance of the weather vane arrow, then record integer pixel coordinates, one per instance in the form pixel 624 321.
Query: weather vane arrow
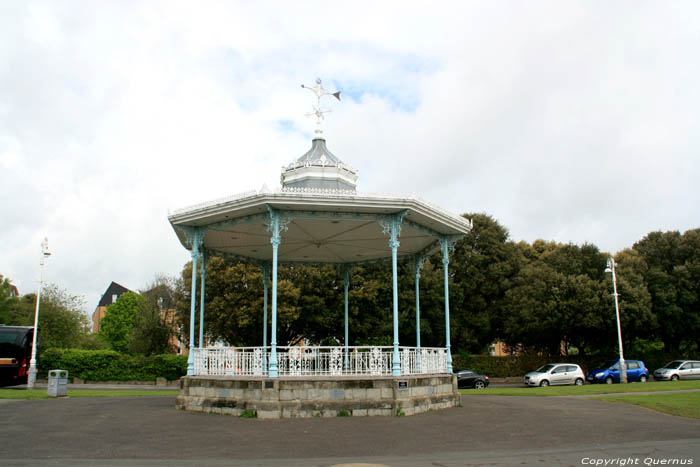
pixel 319 91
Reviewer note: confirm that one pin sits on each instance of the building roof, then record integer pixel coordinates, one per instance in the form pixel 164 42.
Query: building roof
pixel 113 289
pixel 319 168
pixel 323 218
pixel 322 226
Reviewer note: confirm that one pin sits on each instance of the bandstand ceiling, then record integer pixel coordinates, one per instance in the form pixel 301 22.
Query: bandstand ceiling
pixel 322 227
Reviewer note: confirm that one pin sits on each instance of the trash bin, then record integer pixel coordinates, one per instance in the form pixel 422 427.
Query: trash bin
pixel 58 383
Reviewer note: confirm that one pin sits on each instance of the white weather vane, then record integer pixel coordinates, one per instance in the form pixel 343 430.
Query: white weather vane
pixel 318 112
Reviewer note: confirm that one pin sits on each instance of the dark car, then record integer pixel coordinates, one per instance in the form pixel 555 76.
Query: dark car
pixel 15 353
pixel 609 372
pixel 470 379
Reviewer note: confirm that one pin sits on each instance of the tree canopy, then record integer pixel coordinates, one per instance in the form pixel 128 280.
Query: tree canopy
pixel 134 323
pixel 545 297
pixel 62 323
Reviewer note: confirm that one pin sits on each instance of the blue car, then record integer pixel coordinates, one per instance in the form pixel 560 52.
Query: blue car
pixel 609 372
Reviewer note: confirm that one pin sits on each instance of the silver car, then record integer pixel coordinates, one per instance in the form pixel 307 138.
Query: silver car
pixel 555 373
pixel 678 369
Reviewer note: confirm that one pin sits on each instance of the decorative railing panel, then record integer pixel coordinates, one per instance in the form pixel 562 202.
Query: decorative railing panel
pixel 319 361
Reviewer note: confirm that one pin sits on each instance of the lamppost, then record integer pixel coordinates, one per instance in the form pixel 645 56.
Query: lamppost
pixel 32 363
pixel 623 368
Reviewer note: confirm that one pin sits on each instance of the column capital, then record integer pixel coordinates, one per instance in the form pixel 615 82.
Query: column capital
pixel 447 246
pixel 392 226
pixel 346 275
pixel 418 262
pixel 265 266
pixel 276 223
pixel 194 239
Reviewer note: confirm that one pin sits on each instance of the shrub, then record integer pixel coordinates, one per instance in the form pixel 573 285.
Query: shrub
pixel 108 365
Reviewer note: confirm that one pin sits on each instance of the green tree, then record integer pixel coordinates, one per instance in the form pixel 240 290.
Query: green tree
pixel 483 267
pixel 62 322
pixel 5 300
pixel 672 275
pixel 150 334
pixel 309 304
pixel 119 320
pixel 21 310
pixel 135 324
pixel 533 309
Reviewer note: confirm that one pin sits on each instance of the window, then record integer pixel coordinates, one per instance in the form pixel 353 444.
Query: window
pixel 632 365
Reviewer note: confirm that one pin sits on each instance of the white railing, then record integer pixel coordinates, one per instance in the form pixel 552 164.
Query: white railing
pixel 319 361
pixel 230 361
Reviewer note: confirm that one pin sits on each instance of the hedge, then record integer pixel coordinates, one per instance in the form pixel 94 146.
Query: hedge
pixel 108 365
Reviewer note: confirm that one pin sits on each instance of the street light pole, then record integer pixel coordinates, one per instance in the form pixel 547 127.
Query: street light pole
pixel 31 378
pixel 623 368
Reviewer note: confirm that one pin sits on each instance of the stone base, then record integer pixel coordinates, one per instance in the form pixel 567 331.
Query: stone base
pixel 318 396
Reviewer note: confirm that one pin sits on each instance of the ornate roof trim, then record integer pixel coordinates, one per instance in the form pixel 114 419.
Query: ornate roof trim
pixel 315 193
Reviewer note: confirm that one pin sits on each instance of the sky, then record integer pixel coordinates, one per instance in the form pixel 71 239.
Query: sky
pixel 566 121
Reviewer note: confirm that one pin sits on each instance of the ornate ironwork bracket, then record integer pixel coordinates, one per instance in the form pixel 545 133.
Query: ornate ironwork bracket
pixel 346 274
pixel 194 239
pixel 391 225
pixel 276 224
pixel 418 262
pixel 266 267
pixel 447 246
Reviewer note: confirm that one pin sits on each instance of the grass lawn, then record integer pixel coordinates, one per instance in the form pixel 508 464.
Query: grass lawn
pixel 683 404
pixel 585 390
pixel 33 394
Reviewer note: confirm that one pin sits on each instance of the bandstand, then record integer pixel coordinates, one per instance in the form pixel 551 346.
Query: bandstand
pixel 317 217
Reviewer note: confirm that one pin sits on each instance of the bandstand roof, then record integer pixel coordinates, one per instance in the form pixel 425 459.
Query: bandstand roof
pixel 323 225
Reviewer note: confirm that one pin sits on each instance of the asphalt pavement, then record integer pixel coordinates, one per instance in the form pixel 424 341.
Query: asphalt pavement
pixel 486 430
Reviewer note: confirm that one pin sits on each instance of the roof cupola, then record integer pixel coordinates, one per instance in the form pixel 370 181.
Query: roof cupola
pixel 318 168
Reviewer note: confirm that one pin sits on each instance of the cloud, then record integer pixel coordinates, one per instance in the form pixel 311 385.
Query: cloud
pixel 567 121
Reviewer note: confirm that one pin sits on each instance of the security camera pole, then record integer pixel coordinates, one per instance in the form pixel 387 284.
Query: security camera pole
pixel 623 367
pixel 32 363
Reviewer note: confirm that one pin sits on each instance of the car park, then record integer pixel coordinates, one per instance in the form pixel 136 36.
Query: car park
pixel 678 369
pixel 555 374
pixel 609 372
pixel 471 379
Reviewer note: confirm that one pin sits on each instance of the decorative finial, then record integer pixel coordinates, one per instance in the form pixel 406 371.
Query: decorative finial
pixel 44 250
pixel 318 112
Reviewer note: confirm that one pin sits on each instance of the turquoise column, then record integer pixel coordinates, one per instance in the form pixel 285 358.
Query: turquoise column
pixel 419 261
pixel 346 283
pixel 447 245
pixel 276 225
pixel 266 282
pixel 202 272
pixel 392 225
pixel 196 237
pixel 275 240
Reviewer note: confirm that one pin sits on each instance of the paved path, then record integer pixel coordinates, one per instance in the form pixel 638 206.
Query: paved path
pixel 487 430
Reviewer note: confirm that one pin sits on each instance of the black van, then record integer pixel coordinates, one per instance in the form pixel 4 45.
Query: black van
pixel 15 353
